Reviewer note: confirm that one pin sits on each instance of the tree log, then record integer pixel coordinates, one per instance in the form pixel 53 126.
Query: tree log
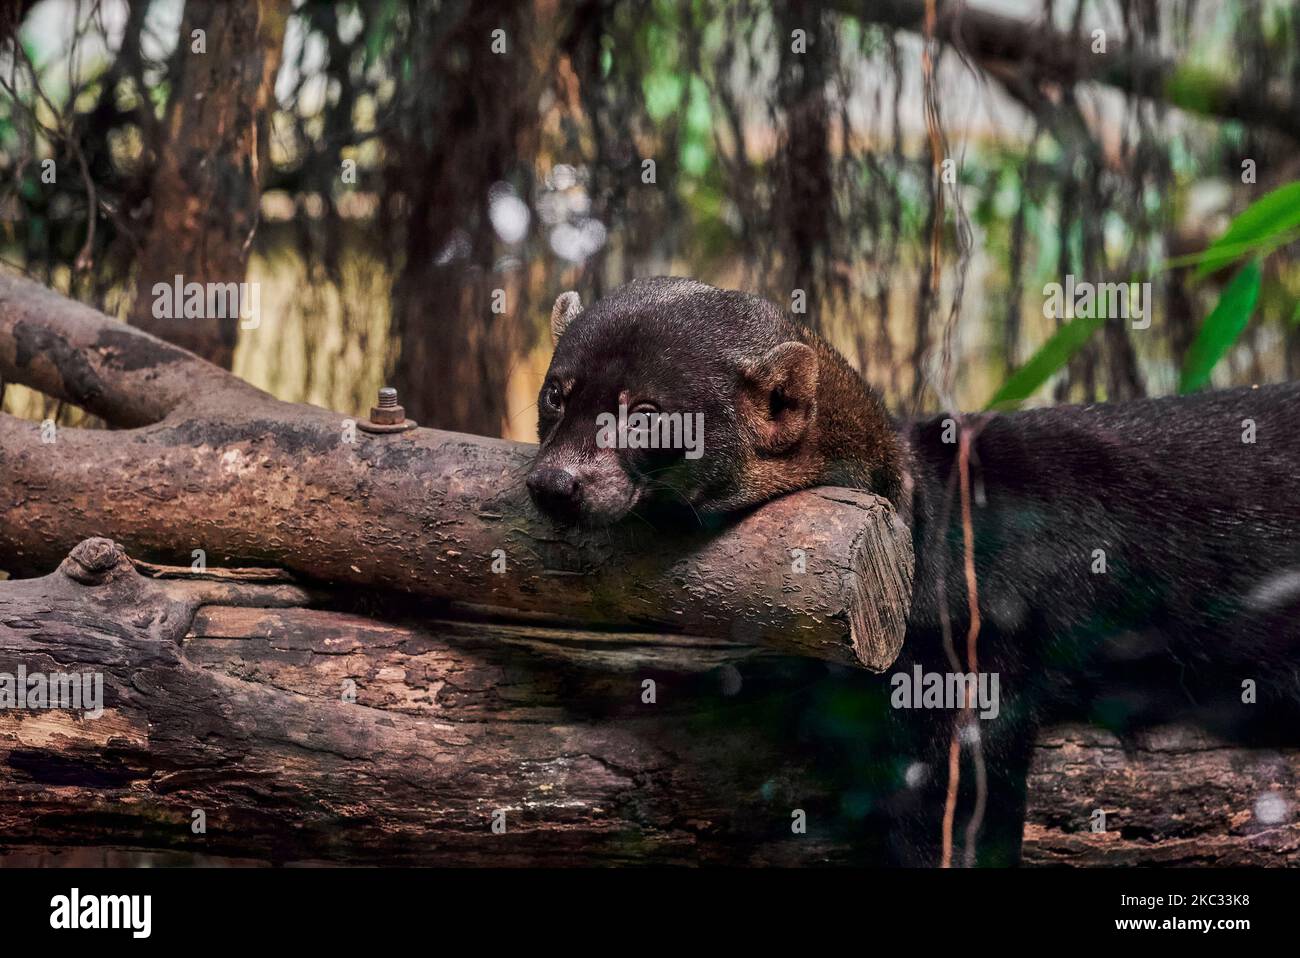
pixel 252 722
pixel 254 480
pixel 1174 796
pixel 318 736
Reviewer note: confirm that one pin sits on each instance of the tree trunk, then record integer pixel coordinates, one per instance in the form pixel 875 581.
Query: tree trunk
pixel 804 217
pixel 471 126
pixel 207 187
pixel 249 479
pixel 302 735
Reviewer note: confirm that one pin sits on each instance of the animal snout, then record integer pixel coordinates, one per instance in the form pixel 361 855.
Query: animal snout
pixel 556 491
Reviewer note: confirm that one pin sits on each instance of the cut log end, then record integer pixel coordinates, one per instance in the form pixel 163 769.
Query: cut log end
pixel 878 589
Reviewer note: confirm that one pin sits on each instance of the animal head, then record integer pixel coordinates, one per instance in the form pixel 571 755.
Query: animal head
pixel 668 392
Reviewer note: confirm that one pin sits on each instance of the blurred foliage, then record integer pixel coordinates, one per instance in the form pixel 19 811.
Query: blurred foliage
pixel 1267 224
pixel 775 171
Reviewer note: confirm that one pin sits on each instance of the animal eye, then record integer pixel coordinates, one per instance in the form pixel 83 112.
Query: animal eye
pixel 645 407
pixel 552 397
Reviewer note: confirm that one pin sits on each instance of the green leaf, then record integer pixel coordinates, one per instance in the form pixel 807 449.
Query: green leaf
pixel 1222 327
pixel 1268 218
pixel 1051 356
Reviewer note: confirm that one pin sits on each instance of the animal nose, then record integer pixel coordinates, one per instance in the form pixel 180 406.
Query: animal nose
pixel 554 491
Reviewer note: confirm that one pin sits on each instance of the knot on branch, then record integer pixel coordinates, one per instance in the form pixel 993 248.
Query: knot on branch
pixel 94 561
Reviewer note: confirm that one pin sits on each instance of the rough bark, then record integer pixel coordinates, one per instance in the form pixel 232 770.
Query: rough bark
pixel 207 187
pixel 1173 796
pixel 318 736
pixel 224 468
pixel 249 721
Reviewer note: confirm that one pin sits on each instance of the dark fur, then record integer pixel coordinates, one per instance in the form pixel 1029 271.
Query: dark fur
pixel 1201 534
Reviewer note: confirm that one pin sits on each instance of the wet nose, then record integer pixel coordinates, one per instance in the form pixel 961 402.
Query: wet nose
pixel 554 491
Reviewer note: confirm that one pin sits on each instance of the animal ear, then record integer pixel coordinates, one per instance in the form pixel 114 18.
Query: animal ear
pixel 566 309
pixel 779 396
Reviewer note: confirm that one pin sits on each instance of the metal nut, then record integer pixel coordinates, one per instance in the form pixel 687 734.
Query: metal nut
pixel 388 416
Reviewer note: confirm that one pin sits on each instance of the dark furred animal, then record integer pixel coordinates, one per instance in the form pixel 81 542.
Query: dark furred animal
pixel 1199 529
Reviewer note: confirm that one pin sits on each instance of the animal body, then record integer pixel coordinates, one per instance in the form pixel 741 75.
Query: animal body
pixel 1135 562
